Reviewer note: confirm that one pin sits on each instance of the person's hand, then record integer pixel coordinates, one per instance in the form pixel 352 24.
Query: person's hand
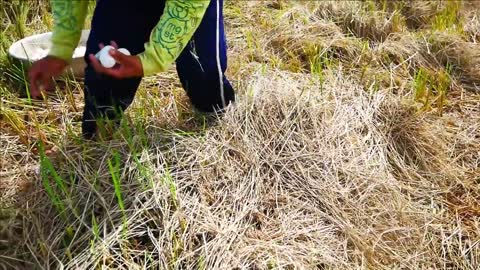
pixel 127 66
pixel 42 72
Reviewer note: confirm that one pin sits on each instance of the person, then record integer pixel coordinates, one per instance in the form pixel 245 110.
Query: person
pixel 158 33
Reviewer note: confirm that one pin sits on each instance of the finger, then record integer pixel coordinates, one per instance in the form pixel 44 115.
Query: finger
pixel 41 84
pixel 48 84
pixel 97 66
pixel 119 57
pixel 114 73
pixel 33 83
pixel 114 44
pixel 34 90
pixel 101 45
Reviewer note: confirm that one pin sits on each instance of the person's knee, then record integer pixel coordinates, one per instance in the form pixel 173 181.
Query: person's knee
pixel 209 95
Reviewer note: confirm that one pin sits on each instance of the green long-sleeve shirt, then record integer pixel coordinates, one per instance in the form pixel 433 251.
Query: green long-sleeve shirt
pixel 177 25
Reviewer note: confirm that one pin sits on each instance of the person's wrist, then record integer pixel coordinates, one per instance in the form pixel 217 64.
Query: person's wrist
pixel 57 59
pixel 139 66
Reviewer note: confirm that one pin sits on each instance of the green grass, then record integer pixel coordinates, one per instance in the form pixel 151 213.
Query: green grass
pixel 114 167
pixel 431 88
pixel 95 232
pixel 321 62
pixel 449 19
pixel 48 172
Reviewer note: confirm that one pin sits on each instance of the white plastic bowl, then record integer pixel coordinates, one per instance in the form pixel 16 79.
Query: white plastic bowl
pixel 32 48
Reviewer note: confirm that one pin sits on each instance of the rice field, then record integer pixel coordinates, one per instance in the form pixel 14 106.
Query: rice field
pixel 354 144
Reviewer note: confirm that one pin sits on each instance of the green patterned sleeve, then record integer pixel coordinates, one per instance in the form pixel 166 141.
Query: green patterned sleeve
pixel 69 18
pixel 176 27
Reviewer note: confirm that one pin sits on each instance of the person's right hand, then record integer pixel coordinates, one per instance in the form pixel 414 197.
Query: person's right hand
pixel 42 72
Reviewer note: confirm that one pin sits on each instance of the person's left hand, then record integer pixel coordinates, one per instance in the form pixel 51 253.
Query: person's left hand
pixel 127 66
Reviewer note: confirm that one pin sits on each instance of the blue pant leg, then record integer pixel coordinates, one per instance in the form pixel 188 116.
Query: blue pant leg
pixel 201 75
pixel 130 27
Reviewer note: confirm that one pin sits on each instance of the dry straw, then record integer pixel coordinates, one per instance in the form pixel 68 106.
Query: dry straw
pixel 291 176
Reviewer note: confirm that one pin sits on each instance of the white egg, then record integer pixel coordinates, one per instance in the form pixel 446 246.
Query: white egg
pixel 124 51
pixel 107 60
pixel 105 49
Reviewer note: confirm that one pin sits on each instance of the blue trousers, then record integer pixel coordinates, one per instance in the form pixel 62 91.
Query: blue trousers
pixel 129 23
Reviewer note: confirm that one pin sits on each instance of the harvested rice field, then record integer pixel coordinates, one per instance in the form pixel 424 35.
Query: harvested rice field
pixel 354 144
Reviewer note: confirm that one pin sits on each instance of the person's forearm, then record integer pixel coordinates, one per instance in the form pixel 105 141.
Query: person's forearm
pixel 69 18
pixel 176 27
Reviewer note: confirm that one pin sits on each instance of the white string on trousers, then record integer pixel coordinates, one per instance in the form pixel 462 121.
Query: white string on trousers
pixel 219 65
